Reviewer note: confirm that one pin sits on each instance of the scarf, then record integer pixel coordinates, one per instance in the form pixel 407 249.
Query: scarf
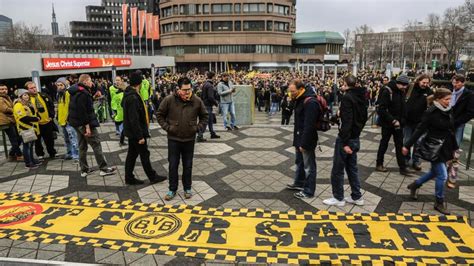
pixel 455 96
pixel 300 93
pixel 440 107
pixel 182 95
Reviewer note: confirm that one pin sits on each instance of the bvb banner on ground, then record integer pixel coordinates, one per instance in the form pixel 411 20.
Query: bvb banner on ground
pixel 240 234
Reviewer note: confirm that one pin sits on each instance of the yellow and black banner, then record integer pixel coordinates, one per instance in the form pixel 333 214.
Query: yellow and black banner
pixel 248 235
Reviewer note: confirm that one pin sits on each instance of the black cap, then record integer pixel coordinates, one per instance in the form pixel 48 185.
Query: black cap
pixel 136 78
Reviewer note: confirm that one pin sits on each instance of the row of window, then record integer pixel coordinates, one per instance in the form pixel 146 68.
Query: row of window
pixel 197 9
pixel 120 4
pixel 228 49
pixel 246 25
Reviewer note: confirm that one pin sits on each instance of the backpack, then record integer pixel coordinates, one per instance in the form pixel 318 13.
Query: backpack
pixel 323 121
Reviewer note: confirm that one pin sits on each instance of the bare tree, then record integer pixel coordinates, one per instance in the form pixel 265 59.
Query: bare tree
pixel 362 42
pixel 348 40
pixel 28 37
pixel 66 30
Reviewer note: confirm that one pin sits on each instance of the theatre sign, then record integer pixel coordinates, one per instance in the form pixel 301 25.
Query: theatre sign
pixel 82 63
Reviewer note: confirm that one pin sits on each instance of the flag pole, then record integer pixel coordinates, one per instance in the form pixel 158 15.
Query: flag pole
pixel 139 39
pixel 133 47
pixel 124 49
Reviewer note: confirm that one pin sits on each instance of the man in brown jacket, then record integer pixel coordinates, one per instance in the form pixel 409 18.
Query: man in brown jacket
pixel 7 123
pixel 178 115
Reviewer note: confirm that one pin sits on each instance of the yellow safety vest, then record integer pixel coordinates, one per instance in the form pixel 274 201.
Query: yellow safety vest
pixel 63 109
pixel 44 116
pixel 19 111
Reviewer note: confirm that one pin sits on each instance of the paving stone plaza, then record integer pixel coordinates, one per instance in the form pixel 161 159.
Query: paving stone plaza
pixel 247 168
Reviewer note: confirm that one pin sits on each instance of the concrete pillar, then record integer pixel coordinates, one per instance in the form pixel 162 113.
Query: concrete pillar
pixel 335 73
pixel 217 70
pixel 114 73
pixel 323 71
pixel 354 69
pixel 35 77
pixel 314 70
pixel 153 78
pixel 210 67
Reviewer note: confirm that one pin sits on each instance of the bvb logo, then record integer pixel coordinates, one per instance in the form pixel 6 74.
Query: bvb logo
pixel 153 225
pixel 18 213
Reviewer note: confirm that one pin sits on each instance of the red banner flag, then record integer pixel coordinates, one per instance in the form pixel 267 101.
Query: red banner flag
pixel 141 22
pixel 81 63
pixel 156 27
pixel 124 17
pixel 133 20
pixel 149 25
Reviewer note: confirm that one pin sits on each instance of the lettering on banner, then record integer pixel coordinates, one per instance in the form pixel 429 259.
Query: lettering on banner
pixel 274 237
pixel 52 213
pixel 214 227
pixel 106 218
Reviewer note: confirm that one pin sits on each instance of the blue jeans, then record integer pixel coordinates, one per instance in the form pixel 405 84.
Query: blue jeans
pixel 341 161
pixel 438 170
pixel 460 134
pixel 407 132
pixel 226 108
pixel 70 139
pixel 15 141
pixel 305 175
pixel 28 153
pixel 274 107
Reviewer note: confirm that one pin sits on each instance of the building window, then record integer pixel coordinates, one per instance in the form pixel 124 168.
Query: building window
pixel 205 9
pixel 281 10
pixel 269 8
pixel 254 25
pixel 269 25
pixel 222 9
pixel 282 26
pixel 175 10
pixel 237 26
pixel 176 26
pixel 254 8
pixel 221 25
pixel 205 26
pixel 237 8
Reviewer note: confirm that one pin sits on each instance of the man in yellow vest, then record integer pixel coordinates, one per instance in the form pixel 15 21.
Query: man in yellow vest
pixel 44 108
pixel 145 94
pixel 118 83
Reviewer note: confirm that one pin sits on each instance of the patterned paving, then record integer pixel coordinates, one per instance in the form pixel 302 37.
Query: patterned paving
pixel 246 168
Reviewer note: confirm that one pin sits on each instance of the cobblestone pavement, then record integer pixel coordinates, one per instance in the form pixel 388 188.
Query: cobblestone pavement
pixel 249 167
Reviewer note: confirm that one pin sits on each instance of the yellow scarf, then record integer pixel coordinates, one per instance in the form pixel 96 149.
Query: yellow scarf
pixel 300 93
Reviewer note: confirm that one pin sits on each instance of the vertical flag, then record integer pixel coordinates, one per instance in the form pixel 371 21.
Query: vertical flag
pixel 133 20
pixel 156 27
pixel 141 22
pixel 124 18
pixel 149 25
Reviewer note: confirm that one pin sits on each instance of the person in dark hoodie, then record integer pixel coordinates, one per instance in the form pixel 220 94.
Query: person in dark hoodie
pixel 438 123
pixel 305 139
pixel 135 128
pixel 84 120
pixel 416 104
pixel 391 111
pixel 353 115
pixel 208 96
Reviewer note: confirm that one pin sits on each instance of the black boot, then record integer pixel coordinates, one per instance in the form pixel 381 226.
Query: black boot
pixel 441 207
pixel 133 181
pixel 413 187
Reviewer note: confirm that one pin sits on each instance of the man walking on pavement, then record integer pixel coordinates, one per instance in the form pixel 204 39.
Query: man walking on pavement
pixel 225 89
pixel 305 139
pixel 208 96
pixel 178 115
pixel 391 111
pixel 84 120
pixel 353 115
pixel 136 129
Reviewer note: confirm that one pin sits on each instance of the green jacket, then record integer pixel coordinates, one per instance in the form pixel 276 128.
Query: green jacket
pixel 112 92
pixel 145 90
pixel 117 103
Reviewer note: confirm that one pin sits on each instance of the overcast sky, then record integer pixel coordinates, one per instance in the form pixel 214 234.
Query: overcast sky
pixel 313 15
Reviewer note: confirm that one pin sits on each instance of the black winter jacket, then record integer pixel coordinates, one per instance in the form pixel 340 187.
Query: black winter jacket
pixel 208 94
pixel 438 124
pixel 81 107
pixel 306 115
pixel 353 114
pixel 463 110
pixel 416 104
pixel 135 125
pixel 393 109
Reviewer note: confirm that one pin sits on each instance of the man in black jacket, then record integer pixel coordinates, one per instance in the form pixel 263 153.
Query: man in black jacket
pixel 305 139
pixel 82 117
pixel 391 111
pixel 462 103
pixel 208 96
pixel 353 115
pixel 135 128
pixel 416 105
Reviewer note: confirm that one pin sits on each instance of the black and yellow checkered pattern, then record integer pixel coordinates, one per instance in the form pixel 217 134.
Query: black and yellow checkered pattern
pixel 251 256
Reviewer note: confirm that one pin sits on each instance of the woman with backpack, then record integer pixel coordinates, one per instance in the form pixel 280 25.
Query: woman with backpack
pixel 438 124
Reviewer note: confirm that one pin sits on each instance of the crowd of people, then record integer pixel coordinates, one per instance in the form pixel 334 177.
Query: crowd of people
pixel 183 105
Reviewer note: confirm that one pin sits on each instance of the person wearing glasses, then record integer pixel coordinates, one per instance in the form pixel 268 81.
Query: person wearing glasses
pixel 182 115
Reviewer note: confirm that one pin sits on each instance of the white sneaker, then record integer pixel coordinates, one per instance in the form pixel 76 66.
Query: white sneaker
pixel 334 202
pixel 107 171
pixel 358 202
